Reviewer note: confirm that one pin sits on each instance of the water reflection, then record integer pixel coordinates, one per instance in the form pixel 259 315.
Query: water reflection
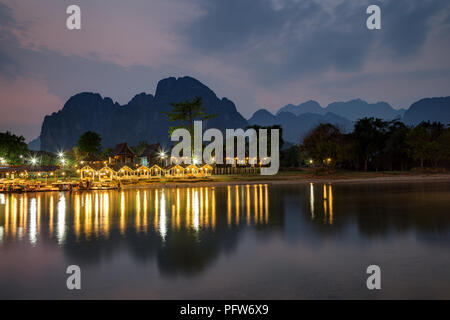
pixel 327 200
pixel 198 211
pixel 94 215
pixel 291 233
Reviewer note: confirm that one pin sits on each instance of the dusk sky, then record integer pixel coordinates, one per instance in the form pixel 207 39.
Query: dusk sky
pixel 259 54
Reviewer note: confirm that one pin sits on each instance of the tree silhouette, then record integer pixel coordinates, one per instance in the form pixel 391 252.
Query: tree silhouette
pixel 12 147
pixel 186 112
pixel 90 142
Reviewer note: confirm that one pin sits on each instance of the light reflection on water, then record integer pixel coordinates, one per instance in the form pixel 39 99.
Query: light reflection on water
pixel 95 214
pixel 252 241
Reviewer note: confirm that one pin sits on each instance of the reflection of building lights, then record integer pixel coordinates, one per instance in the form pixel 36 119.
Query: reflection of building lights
pixel 61 223
pixel 162 217
pixel 196 209
pixel 311 199
pixel 33 221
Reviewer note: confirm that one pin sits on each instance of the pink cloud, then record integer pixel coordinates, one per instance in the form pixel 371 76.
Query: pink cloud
pixel 24 104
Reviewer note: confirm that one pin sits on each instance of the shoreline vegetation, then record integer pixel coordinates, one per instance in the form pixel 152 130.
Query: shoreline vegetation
pixel 298 177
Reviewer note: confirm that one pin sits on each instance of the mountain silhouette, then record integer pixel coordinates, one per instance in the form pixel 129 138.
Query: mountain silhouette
pixel 296 127
pixel 428 109
pixel 142 119
pixel 310 106
pixel 352 110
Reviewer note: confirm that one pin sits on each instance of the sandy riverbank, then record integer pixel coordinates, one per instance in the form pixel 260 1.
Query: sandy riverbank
pixel 297 179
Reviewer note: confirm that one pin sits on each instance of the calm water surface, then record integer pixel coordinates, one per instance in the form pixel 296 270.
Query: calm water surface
pixel 236 242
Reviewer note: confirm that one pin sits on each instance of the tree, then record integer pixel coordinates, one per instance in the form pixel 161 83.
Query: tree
pixel 323 144
pixel 186 112
pixel 370 135
pixel 419 143
pixel 107 153
pixel 90 143
pixel 444 144
pixel 12 148
pixel 396 149
pixel 291 157
pixel 78 155
pixel 436 130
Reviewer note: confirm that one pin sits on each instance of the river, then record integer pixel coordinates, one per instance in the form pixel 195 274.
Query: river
pixel 262 241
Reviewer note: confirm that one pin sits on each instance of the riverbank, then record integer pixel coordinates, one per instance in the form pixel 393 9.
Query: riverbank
pixel 299 177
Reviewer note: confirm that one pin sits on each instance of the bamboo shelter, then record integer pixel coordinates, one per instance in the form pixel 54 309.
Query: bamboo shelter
pixel 87 173
pixel 206 170
pixel 175 171
pixel 156 171
pixel 126 173
pixel 143 172
pixel 191 170
pixel 107 174
pixel 93 173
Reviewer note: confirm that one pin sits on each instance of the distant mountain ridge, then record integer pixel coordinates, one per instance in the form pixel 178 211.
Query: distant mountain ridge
pixel 428 109
pixel 298 120
pixel 310 106
pixel 142 119
pixel 352 110
pixel 295 127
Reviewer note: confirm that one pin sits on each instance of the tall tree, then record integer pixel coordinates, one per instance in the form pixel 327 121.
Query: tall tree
pixel 396 149
pixel 370 135
pixel 12 148
pixel 291 157
pixel 444 144
pixel 419 143
pixel 323 144
pixel 186 112
pixel 90 143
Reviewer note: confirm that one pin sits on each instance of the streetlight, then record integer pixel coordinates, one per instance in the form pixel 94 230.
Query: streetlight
pixel 33 161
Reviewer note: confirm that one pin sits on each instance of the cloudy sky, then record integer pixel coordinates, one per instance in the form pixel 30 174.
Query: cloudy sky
pixel 258 53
